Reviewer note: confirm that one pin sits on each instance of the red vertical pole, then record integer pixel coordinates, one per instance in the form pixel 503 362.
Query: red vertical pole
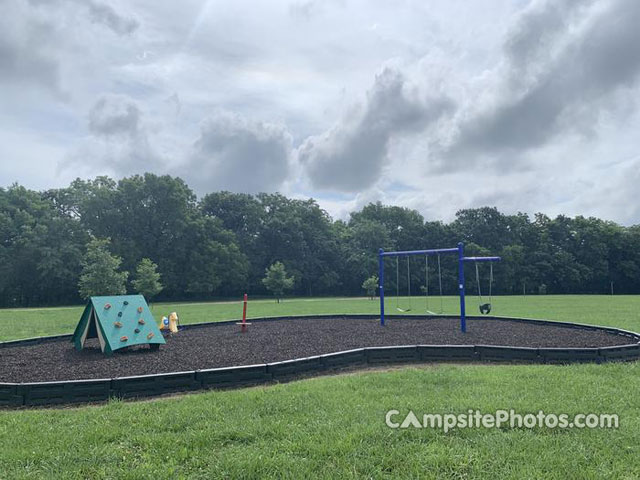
pixel 244 314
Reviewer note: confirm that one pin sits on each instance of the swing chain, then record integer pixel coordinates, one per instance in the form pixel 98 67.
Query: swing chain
pixel 426 272
pixel 485 308
pixel 490 281
pixel 440 283
pixel 478 281
pixel 426 275
pixel 398 285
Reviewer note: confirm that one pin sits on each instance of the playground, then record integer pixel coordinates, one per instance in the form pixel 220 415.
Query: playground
pixel 294 429
pixel 430 351
pixel 276 340
pixel 126 324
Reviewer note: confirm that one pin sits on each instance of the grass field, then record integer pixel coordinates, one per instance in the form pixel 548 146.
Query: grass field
pixel 618 311
pixel 333 427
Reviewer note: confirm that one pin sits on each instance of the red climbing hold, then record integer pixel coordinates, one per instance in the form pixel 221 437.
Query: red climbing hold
pixel 123 338
pixel 107 306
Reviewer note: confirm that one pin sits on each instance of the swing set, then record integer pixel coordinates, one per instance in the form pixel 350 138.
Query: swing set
pixel 484 307
pixel 425 287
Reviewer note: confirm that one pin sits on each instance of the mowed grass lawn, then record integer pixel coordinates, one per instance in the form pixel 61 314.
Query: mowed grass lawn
pixel 334 426
pixel 617 311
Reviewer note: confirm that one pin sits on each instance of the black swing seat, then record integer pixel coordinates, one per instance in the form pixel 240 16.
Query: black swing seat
pixel 485 308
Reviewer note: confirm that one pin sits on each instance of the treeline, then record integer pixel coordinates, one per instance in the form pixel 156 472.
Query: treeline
pixel 221 244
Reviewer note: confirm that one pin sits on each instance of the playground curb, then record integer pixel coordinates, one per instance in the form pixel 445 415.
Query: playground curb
pixel 38 394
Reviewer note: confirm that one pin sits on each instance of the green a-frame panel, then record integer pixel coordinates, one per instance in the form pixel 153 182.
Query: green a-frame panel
pixel 117 322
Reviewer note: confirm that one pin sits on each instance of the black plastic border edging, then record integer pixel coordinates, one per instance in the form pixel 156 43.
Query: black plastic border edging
pixel 15 395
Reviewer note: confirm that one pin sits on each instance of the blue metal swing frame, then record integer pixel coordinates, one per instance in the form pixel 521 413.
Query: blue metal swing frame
pixel 436 251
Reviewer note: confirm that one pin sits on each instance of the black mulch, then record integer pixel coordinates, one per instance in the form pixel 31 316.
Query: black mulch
pixel 223 345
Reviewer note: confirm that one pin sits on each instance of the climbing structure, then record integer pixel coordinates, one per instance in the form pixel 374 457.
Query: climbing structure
pixel 117 322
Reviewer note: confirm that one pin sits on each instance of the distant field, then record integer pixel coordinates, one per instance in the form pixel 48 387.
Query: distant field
pixel 333 427
pixel 618 311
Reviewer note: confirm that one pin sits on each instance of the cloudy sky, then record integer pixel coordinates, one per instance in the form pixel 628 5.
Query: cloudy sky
pixel 440 105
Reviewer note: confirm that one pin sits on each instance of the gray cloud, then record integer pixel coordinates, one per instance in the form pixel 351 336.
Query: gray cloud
pixel 100 13
pixel 534 36
pixel 304 9
pixel 351 155
pixel 118 142
pixel 308 9
pixel 34 43
pixel 565 91
pixel 237 154
pixel 113 115
pixel 26 53
pixel 106 15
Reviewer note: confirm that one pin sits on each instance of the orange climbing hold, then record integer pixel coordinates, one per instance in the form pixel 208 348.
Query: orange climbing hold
pixel 141 321
pixel 139 309
pixel 150 336
pixel 117 324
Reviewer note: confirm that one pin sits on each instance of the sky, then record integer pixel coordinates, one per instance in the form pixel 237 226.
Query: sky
pixel 528 106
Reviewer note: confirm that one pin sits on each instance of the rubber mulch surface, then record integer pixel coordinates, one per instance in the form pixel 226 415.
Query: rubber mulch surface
pixel 223 345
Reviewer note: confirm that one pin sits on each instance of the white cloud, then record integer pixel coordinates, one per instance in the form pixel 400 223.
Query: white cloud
pixel 528 105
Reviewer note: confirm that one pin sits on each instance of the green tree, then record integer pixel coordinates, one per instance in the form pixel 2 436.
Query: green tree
pixel 40 250
pixel 243 215
pixel 100 271
pixel 402 226
pixel 484 226
pixel 276 280
pixel 223 244
pixel 158 217
pixel 370 285
pixel 299 233
pixel 147 281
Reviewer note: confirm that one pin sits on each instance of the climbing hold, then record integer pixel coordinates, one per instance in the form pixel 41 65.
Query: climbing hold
pixel 123 338
pixel 139 309
pixel 150 336
pixel 119 314
pixel 107 306
pixel 137 330
pixel 117 324
pixel 141 321
pixel 126 302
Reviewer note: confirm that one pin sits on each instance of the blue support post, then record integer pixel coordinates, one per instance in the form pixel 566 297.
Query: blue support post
pixel 463 319
pixel 381 283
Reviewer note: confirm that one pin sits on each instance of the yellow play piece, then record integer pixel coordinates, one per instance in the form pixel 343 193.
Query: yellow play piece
pixel 170 324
